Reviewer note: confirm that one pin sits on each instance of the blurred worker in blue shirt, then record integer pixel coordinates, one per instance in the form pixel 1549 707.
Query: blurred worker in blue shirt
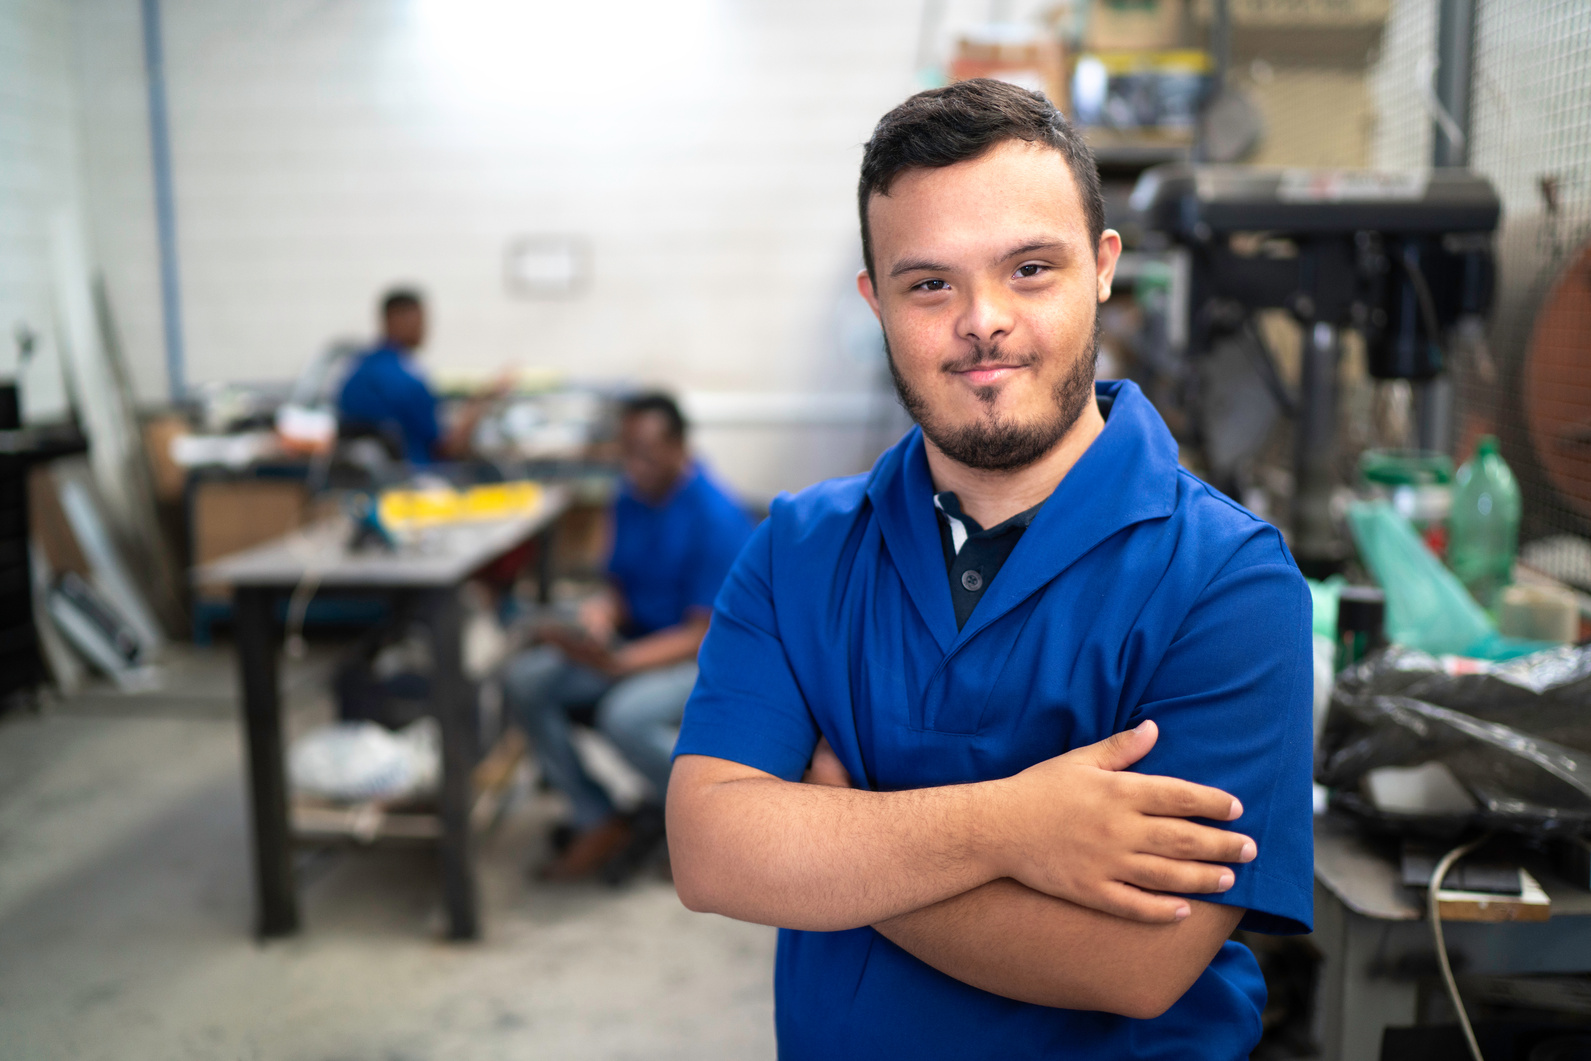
pixel 386 395
pixel 632 654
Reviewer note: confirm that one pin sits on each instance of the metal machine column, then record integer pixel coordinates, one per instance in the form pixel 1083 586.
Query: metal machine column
pixel 1315 443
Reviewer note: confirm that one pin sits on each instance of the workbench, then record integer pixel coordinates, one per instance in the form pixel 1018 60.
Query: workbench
pixel 1376 942
pixel 423 578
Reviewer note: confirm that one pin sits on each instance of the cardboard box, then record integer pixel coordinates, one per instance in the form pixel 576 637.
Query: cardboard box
pixel 50 530
pixel 1036 64
pixel 1298 14
pixel 168 477
pixel 1315 33
pixel 1134 25
pixel 231 515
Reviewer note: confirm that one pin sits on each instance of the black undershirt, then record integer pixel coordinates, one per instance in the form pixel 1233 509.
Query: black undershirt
pixel 983 552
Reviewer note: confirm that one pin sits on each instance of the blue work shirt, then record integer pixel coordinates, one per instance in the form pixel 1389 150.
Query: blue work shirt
pixel 1137 592
pixel 672 556
pixel 385 391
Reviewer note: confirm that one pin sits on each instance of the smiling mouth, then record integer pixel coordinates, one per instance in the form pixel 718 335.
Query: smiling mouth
pixel 987 375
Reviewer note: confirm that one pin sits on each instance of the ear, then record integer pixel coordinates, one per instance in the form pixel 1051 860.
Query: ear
pixel 1105 261
pixel 864 287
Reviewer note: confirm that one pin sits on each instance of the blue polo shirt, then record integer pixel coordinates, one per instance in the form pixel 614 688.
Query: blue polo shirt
pixel 673 556
pixel 385 391
pixel 1137 592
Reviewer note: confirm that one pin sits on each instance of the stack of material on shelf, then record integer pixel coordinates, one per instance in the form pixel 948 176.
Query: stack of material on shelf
pixel 103 400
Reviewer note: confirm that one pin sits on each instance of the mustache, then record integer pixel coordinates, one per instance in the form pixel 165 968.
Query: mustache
pixel 986 355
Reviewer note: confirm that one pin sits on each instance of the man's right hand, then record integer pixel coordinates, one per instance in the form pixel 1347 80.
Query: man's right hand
pixel 1081 828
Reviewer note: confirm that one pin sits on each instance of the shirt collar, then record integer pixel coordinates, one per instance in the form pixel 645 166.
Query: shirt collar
pixel 962 526
pixel 1128 475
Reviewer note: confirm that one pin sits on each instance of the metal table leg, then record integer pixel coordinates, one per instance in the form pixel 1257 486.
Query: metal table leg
pixel 544 566
pixel 275 898
pixel 450 701
pixel 1361 992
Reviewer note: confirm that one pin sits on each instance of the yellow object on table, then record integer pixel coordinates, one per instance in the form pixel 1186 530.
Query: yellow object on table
pixel 411 509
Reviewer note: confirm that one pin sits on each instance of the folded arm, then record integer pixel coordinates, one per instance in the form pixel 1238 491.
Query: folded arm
pixel 1012 941
pixel 748 845
pixel 752 846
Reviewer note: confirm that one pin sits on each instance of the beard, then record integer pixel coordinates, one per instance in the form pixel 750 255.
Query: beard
pixel 992 442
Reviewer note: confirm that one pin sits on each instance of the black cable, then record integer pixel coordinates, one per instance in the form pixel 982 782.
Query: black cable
pixel 1422 295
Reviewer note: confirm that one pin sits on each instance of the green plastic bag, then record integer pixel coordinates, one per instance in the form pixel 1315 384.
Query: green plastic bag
pixel 1324 596
pixel 1427 607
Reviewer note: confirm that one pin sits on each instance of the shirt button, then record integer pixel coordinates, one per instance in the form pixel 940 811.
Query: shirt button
pixel 972 581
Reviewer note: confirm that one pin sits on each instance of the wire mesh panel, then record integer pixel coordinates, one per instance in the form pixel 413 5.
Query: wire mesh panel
pixel 1403 128
pixel 1531 136
pixel 1529 381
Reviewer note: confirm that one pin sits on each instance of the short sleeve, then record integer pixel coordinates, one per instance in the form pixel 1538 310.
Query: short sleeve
pixel 1232 697
pixel 417 414
pixel 746 706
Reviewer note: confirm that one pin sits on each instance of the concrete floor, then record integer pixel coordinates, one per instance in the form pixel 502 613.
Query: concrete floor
pixel 125 910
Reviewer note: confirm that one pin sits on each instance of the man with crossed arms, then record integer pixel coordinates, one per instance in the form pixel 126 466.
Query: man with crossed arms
pixel 1056 780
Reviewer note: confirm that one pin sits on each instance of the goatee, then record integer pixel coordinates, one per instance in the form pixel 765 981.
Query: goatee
pixel 995 443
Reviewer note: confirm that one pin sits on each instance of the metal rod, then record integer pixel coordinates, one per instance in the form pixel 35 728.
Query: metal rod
pixel 1433 413
pixel 1455 65
pixel 1314 541
pixel 165 201
pixel 1220 44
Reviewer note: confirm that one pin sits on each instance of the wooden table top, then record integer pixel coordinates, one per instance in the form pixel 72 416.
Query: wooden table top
pixel 1370 883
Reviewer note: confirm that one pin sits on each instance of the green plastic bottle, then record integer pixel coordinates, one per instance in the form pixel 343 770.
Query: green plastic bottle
pixel 1483 531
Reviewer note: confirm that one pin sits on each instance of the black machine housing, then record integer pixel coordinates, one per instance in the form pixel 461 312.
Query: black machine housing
pixel 1402 257
pixel 1399 256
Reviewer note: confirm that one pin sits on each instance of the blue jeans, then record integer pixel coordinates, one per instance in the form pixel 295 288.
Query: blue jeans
pixel 640 715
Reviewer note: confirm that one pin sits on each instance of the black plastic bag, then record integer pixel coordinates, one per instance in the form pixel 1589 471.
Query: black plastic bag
pixel 1517 735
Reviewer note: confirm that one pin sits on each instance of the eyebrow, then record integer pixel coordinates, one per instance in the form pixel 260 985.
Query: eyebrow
pixel 1046 244
pixel 924 265
pixel 917 265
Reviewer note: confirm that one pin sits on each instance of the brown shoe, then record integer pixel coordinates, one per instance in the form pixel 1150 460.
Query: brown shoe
pixel 589 851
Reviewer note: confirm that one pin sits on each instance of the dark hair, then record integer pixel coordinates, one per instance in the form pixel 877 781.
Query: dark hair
pixel 943 126
pixel 663 405
pixel 400 298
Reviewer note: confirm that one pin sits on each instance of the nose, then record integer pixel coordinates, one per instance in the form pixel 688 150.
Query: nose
pixel 987 316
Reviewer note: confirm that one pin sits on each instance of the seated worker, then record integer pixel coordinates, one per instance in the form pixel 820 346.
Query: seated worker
pixel 633 655
pixel 1039 668
pixel 386 393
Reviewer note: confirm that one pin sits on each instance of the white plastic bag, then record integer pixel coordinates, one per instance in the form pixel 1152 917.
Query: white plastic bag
pixel 357 761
